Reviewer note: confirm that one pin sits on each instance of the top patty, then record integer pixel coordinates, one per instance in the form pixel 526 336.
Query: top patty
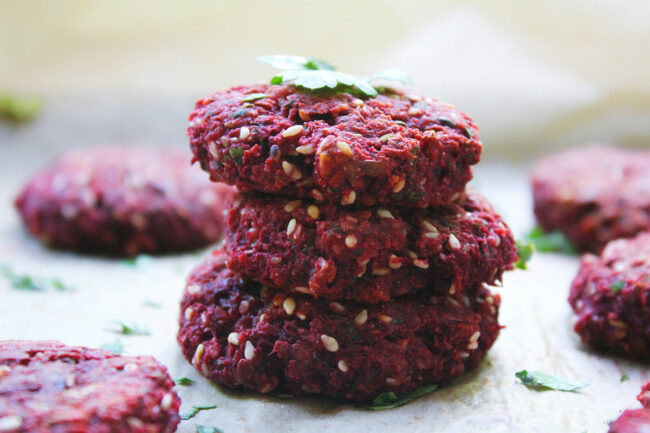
pixel 593 194
pixel 393 148
pixel 46 386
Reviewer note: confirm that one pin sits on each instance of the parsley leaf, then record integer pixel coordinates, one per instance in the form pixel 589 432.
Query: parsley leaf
pixel 553 241
pixel 525 251
pixel 19 109
pixel 183 381
pixel 29 283
pixel 115 347
pixel 126 329
pixel 617 286
pixel 204 429
pixel 388 400
pixel 195 410
pixel 540 381
pixel 254 97
pixel 624 378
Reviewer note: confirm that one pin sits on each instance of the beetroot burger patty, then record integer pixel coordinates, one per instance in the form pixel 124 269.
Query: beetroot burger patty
pixel 367 254
pixel 240 334
pixel 123 201
pixel 46 386
pixel 634 420
pixel 593 194
pixel 399 149
pixel 611 297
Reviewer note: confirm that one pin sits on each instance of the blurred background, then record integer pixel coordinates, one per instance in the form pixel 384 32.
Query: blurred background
pixel 535 76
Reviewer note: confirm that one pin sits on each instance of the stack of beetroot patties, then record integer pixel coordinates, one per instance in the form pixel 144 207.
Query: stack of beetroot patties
pixel 355 261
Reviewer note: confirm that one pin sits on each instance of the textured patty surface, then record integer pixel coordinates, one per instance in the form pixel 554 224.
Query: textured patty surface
pixel 593 194
pixel 123 201
pixel 46 386
pixel 370 254
pixel 400 149
pixel 241 335
pixel 611 297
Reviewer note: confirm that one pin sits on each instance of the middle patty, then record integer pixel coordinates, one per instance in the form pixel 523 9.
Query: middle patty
pixel 368 254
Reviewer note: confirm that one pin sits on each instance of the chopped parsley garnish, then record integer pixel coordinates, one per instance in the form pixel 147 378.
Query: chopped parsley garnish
pixel 317 75
pixel 126 329
pixel 617 286
pixel 553 241
pixel 195 410
pixel 624 378
pixel 540 381
pixel 254 97
pixel 115 347
pixel 525 252
pixel 236 153
pixel 140 260
pixel 204 429
pixel 183 381
pixel 388 400
pixel 29 283
pixel 19 109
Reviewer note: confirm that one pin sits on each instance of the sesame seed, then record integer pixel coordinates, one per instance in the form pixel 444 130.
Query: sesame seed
pixel 291 226
pixel 244 132
pixel 430 227
pixel 453 242
pixel 166 402
pixel 337 308
pixel 343 366
pixel 464 355
pixel 380 271
pixel 349 198
pixel 391 381
pixel 292 205
pixel 212 148
pixel 414 111
pixel 292 130
pixel 351 241
pixel 313 211
pixel 318 196
pixel 297 174
pixel 399 185
pixel 287 167
pixel 11 422
pixel 189 313
pixel 275 260
pixel 200 349
pixel 233 338
pixel 70 381
pixel 357 102
pixel 412 255
pixel 193 289
pixel 302 289
pixel 475 336
pixel 431 235
pixel 384 213
pixel 345 148
pixel 330 343
pixel 301 316
pixel 307 149
pixel 249 350
pixel 421 263
pixel 289 305
pixel 384 318
pixel 472 346
pixel 452 289
pixel 394 262
pixel 361 318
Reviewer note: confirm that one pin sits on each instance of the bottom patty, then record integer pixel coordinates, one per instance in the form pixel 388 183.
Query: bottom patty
pixel 611 295
pixel 241 334
pixel 46 386
pixel 634 420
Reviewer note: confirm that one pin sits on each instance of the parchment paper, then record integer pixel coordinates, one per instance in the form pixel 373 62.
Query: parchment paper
pixel 538 333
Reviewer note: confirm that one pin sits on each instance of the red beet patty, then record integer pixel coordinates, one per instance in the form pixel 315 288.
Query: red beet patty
pixel 46 386
pixel 634 420
pixel 123 201
pixel 611 297
pixel 367 254
pixel 593 194
pixel 400 149
pixel 240 334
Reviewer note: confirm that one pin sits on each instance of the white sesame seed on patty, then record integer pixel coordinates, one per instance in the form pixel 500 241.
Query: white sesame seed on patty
pixel 249 350
pixel 292 131
pixel 361 318
pixel 330 343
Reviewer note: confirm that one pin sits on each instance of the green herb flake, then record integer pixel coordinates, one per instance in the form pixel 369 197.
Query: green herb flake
pixel 386 137
pixel 540 381
pixel 446 122
pixel 126 329
pixel 19 109
pixel 553 241
pixel 115 347
pixel 204 429
pixel 151 304
pixel 525 252
pixel 254 97
pixel 140 260
pixel 183 381
pixel 236 153
pixel 400 122
pixel 624 378
pixel 617 286
pixel 195 410
pixel 29 283
pixel 388 400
